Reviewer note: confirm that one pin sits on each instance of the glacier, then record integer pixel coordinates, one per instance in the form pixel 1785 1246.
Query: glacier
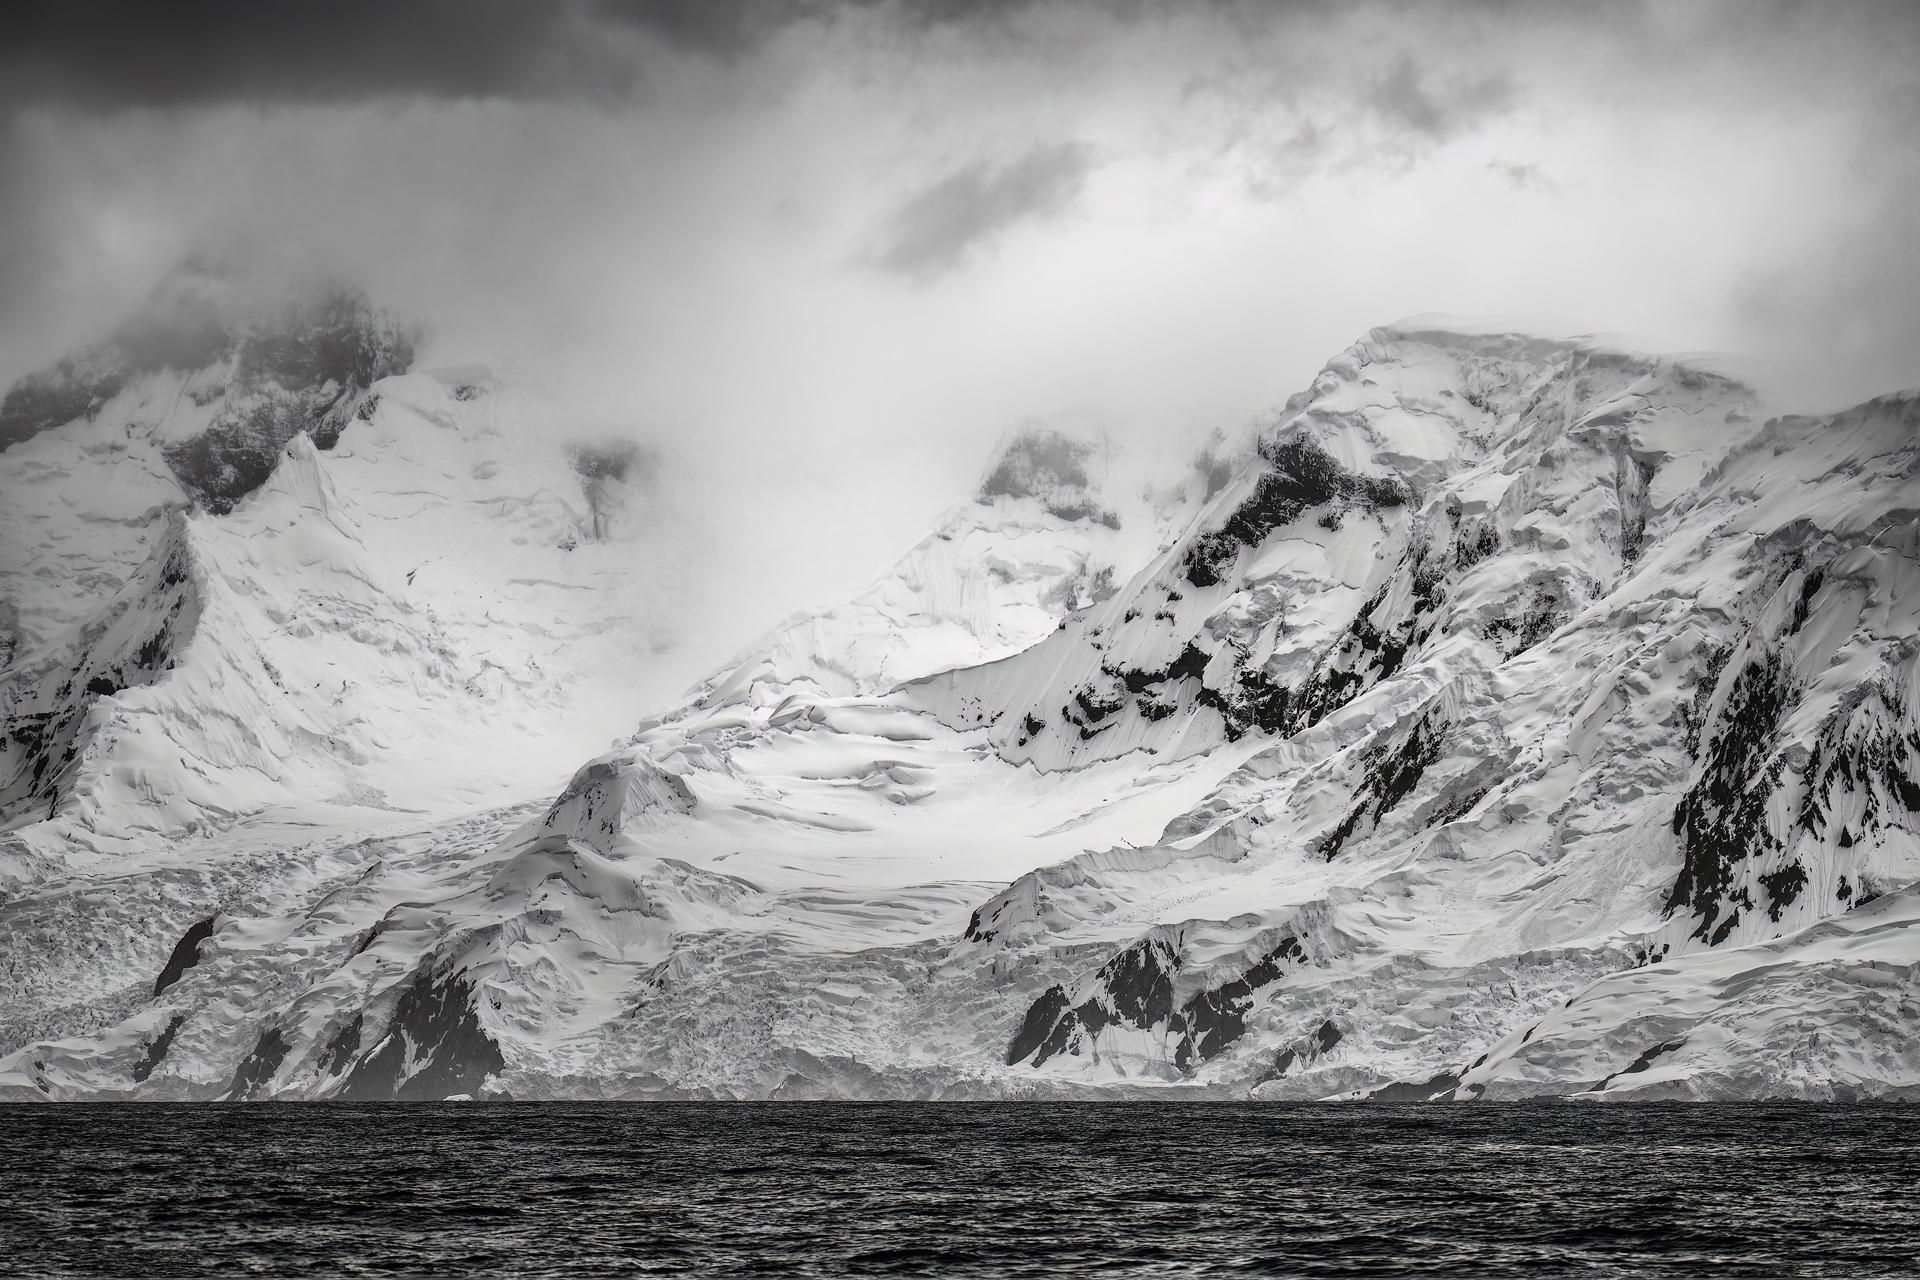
pixel 1503 717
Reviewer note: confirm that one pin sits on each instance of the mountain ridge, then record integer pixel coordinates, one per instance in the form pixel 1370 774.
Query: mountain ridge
pixel 1401 758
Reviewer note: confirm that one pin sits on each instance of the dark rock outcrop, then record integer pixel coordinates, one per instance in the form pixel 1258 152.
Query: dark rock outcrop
pixel 433 1048
pixel 186 954
pixel 157 1049
pixel 1135 989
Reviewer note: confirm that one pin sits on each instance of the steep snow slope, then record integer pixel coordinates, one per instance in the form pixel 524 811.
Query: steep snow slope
pixel 1052 527
pixel 1506 710
pixel 1486 761
pixel 439 610
pixel 191 400
pixel 1828 1013
pixel 782 809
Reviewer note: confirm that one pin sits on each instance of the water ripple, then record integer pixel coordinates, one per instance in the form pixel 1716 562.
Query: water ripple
pixel 531 1189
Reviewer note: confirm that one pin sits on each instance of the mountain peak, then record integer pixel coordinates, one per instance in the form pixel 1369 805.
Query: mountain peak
pixel 223 375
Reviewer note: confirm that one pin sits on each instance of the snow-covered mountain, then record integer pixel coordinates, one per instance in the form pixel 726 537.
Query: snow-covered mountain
pixel 304 578
pixel 1502 717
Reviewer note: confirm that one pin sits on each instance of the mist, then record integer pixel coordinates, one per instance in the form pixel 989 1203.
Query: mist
pixel 817 259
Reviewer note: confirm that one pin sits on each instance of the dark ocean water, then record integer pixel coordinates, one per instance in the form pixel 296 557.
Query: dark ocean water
pixel 963 1189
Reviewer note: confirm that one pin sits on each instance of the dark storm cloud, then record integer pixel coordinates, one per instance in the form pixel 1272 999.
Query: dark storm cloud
pixel 945 224
pixel 115 54
pixel 110 54
pixel 533 147
pixel 100 54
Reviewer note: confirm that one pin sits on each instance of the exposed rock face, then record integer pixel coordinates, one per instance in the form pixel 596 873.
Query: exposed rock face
pixel 50 703
pixel 606 797
pixel 347 630
pixel 259 379
pixel 185 326
pixel 613 476
pixel 1135 992
pixel 1503 718
pixel 157 1050
pixel 186 954
pixel 435 1047
pixel 254 1079
pixel 1808 756
pixel 1054 468
pixel 304 370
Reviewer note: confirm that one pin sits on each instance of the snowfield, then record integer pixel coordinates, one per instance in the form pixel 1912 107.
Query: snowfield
pixel 1505 717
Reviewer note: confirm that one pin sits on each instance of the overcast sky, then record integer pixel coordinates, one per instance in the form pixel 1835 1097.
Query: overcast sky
pixel 824 253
